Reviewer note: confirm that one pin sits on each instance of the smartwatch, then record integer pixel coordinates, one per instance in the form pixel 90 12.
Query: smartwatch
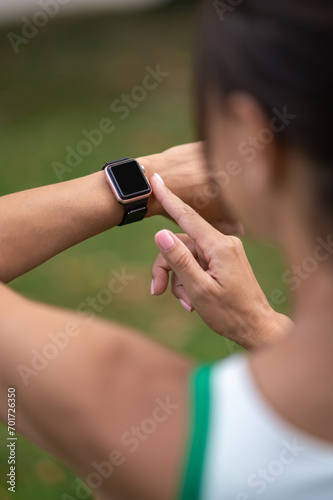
pixel 130 186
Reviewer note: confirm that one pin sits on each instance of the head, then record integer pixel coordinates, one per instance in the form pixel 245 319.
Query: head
pixel 264 91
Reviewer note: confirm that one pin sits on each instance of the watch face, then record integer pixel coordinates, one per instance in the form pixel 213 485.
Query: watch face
pixel 129 180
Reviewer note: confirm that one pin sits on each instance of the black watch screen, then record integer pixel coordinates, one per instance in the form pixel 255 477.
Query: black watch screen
pixel 129 180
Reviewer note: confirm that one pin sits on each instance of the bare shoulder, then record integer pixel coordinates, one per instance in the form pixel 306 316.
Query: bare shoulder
pixel 295 377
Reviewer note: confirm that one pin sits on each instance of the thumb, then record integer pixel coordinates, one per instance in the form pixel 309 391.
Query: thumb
pixel 180 259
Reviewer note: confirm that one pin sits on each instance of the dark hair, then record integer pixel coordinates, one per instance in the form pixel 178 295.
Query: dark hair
pixel 280 51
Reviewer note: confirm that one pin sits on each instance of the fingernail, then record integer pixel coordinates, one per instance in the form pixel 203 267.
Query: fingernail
pixel 159 178
pixel 152 288
pixel 185 305
pixel 165 240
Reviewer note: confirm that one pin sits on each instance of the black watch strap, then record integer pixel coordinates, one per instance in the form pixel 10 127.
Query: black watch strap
pixel 134 211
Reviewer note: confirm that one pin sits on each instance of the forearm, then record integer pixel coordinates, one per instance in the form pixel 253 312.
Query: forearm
pixel 39 223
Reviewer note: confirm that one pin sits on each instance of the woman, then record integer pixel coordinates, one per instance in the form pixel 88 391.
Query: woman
pixel 134 420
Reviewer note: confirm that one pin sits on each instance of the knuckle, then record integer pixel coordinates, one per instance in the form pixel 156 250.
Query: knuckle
pixel 175 283
pixel 156 265
pixel 187 211
pixel 182 260
pixel 234 244
pixel 160 266
pixel 176 291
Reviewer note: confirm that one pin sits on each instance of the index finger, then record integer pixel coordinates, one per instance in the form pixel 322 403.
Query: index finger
pixel 185 216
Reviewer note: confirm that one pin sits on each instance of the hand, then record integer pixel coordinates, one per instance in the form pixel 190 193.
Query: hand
pixel 184 170
pixel 211 274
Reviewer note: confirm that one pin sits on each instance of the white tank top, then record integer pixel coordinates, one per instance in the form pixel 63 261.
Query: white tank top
pixel 251 452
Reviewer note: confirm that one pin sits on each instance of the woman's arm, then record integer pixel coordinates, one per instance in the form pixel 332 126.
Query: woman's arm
pixel 106 401
pixel 39 223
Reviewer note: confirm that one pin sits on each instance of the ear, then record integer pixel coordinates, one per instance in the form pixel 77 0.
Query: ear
pixel 257 141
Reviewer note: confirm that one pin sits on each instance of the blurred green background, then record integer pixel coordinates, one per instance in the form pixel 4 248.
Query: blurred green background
pixel 63 81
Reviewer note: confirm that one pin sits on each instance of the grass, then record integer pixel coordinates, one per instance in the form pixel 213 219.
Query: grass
pixel 63 81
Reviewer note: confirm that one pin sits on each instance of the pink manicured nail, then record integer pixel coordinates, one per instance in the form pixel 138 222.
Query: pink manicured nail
pixel 152 288
pixel 165 240
pixel 159 178
pixel 185 305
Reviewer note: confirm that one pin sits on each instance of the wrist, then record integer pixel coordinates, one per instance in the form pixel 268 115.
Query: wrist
pixel 259 327
pixel 105 207
pixel 275 326
pixel 179 176
pixel 152 164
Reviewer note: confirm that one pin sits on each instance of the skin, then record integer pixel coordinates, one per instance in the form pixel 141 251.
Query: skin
pixel 108 377
pixel 278 206
pixel 53 218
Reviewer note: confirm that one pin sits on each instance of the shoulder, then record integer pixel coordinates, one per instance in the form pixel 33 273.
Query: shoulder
pixel 241 443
